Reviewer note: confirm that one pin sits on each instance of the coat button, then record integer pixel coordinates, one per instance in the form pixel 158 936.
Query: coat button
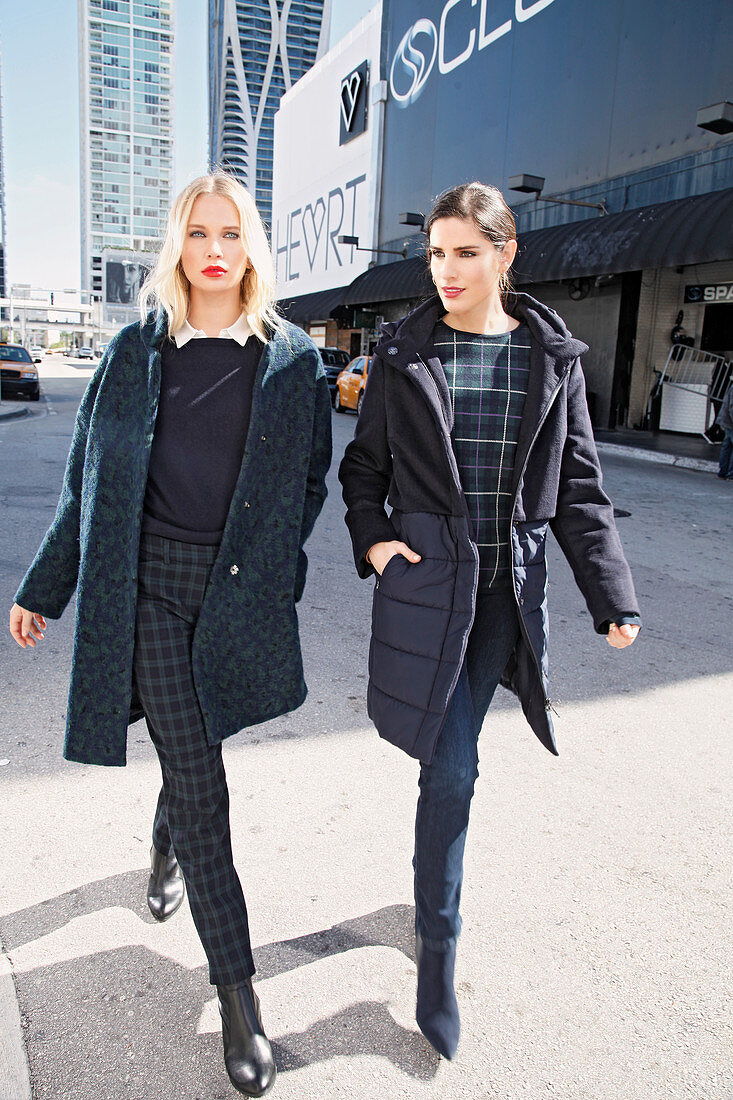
pixel 246 504
pixel 392 350
pixel 234 569
pixel 263 438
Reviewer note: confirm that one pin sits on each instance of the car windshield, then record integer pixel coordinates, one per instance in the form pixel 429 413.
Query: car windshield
pixel 15 355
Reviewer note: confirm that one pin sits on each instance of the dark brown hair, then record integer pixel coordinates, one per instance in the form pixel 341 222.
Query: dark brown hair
pixel 485 206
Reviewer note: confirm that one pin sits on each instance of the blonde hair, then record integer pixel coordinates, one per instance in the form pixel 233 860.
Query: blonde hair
pixel 167 285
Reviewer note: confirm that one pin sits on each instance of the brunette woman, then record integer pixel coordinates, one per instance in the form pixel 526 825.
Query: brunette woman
pixel 195 476
pixel 475 430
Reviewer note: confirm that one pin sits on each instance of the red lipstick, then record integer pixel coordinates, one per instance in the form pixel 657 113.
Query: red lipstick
pixel 214 271
pixel 452 291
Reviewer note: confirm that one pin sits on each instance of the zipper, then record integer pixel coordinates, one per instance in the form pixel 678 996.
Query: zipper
pixel 474 549
pixel 548 702
pixel 454 478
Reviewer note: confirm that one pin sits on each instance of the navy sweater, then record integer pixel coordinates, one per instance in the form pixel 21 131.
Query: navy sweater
pixel 200 435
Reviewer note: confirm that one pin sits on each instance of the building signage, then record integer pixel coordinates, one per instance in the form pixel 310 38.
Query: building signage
pixel 324 182
pixel 710 293
pixel 123 279
pixel 306 239
pixel 424 43
pixel 354 96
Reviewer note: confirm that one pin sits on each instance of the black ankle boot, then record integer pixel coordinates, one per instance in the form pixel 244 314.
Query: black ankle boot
pixel 247 1052
pixel 166 887
pixel 437 1008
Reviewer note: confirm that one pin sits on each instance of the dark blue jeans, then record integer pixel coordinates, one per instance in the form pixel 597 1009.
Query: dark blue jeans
pixel 725 468
pixel 446 784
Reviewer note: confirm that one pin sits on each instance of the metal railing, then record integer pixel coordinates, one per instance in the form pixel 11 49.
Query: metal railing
pixel 701 373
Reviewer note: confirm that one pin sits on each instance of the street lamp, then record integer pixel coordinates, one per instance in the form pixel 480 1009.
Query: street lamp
pixel 533 185
pixel 354 242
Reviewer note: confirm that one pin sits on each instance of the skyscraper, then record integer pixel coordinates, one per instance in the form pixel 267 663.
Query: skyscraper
pixel 257 50
pixel 126 58
pixel 2 202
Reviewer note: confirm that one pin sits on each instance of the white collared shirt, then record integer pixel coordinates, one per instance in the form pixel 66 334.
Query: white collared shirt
pixel 239 331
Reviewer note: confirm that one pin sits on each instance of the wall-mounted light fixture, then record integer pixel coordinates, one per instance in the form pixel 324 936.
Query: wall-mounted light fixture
pixel 410 218
pixel 354 242
pixel 534 184
pixel 718 118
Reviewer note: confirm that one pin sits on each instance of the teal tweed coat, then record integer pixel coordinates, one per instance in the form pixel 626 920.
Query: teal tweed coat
pixel 246 650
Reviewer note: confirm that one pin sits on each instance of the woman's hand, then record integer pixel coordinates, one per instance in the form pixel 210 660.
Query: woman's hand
pixel 379 554
pixel 26 626
pixel 621 636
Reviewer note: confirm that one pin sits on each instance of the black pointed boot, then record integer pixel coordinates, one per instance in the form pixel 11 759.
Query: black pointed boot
pixel 166 888
pixel 437 1007
pixel 248 1055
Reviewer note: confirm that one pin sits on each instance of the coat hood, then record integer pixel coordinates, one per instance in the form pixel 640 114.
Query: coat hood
pixel 546 327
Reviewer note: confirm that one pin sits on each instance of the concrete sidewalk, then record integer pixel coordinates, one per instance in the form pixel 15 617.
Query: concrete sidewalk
pixel 594 962
pixel 688 452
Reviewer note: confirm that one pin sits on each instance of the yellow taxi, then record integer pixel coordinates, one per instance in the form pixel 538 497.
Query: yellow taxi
pixel 351 383
pixel 18 373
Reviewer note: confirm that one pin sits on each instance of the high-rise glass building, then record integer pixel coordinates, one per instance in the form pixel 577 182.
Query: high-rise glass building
pixel 3 281
pixel 126 63
pixel 257 50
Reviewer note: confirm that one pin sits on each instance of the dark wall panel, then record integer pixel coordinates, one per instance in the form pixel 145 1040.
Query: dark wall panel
pixel 575 91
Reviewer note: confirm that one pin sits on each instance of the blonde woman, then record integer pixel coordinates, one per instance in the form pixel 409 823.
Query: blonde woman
pixel 196 473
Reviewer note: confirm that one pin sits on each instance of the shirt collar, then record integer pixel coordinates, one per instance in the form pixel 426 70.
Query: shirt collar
pixel 239 331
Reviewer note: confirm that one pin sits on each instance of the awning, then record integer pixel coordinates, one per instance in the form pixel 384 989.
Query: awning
pixel 390 283
pixel 667 234
pixel 687 231
pixel 312 307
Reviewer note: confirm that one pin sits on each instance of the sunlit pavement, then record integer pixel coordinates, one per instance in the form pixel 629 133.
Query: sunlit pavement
pixel 594 962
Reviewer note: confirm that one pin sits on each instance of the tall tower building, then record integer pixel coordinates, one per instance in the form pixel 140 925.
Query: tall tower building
pixel 126 62
pixel 257 50
pixel 3 280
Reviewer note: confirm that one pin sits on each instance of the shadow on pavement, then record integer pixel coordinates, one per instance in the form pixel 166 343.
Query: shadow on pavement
pixel 103 1016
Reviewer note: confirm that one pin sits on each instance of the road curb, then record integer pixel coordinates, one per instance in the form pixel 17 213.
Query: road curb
pixel 15 1082
pixel 660 457
pixel 15 414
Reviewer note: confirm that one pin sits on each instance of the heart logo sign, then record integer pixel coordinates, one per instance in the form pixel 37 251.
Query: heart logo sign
pixel 349 94
pixel 313 216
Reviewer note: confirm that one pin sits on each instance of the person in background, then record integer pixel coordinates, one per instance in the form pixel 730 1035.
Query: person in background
pixel 196 473
pixel 725 421
pixel 476 431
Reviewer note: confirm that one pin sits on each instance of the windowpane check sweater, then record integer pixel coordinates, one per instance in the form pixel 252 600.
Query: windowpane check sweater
pixel 487 379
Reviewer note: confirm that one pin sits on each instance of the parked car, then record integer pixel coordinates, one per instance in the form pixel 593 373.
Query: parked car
pixel 84 353
pixel 351 383
pixel 334 361
pixel 100 350
pixel 37 353
pixel 18 373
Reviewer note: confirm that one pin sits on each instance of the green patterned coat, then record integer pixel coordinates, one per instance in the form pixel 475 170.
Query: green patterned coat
pixel 246 650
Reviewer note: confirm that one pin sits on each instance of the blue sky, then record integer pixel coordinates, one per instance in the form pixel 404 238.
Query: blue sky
pixel 40 104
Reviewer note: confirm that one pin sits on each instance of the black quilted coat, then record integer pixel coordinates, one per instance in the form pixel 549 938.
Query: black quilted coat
pixel 246 649
pixel 402 454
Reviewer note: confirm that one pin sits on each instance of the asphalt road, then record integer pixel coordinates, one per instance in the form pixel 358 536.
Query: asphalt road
pixel 595 961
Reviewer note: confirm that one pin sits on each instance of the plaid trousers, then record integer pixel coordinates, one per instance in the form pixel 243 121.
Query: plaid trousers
pixel 192 816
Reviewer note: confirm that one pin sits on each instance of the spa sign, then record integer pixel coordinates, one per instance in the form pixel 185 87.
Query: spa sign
pixel 709 294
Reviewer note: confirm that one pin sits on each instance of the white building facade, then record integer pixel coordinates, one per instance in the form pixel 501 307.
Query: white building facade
pixel 328 188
